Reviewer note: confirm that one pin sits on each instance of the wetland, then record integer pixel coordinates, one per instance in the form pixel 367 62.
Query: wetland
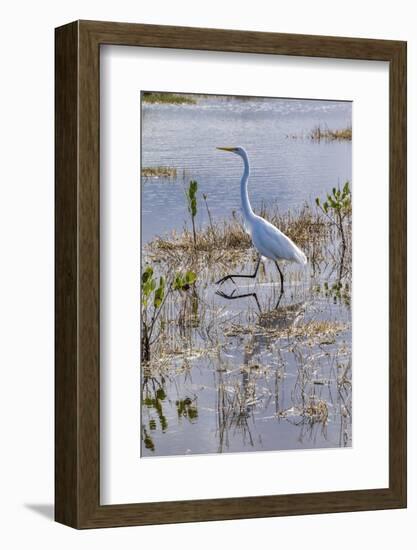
pixel 239 367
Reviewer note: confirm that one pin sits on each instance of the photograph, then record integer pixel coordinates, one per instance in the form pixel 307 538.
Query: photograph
pixel 246 259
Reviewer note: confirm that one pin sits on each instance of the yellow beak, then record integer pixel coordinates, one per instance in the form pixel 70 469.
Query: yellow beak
pixel 229 149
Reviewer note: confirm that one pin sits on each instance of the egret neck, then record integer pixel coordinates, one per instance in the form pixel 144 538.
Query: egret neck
pixel 248 213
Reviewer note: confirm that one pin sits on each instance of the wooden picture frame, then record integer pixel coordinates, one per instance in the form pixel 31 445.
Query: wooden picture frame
pixel 77 382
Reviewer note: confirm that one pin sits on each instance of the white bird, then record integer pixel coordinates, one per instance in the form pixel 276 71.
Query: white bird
pixel 268 240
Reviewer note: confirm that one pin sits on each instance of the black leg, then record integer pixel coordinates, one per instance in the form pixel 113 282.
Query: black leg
pixel 234 296
pixel 223 279
pixel 279 300
pixel 282 277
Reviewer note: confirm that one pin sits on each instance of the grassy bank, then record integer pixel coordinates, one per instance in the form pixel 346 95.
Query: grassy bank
pixel 166 97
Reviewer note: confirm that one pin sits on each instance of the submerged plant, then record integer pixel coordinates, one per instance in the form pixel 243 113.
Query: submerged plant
pixel 187 408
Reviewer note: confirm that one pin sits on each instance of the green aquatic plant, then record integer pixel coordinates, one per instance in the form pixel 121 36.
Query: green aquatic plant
pixel 191 194
pixel 155 292
pixel 183 282
pixel 337 208
pixel 338 291
pixel 153 297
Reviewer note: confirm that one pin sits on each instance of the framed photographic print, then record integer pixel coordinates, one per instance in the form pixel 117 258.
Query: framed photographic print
pixel 230 274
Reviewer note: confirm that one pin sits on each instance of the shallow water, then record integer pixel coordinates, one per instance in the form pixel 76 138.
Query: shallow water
pixel 234 375
pixel 239 387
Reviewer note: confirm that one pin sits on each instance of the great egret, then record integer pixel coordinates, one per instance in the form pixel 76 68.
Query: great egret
pixel 268 240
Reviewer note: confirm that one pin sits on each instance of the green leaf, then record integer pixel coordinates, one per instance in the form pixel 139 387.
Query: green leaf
pixel 159 293
pixel 148 287
pixel 193 207
pixel 147 274
pixel 346 189
pixel 318 201
pixel 193 187
pixel 190 277
pixel 191 198
pixel 148 284
pixel 325 207
pixel 178 282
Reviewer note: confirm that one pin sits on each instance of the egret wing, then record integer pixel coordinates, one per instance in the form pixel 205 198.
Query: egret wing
pixel 274 244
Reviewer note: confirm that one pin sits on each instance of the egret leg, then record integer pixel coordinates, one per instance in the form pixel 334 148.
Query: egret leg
pixel 223 279
pixel 281 276
pixel 279 300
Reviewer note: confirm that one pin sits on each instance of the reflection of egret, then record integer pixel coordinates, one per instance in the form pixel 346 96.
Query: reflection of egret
pixel 268 240
pixel 234 296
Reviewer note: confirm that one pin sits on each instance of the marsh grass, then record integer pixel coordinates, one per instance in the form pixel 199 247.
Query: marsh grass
pixel 317 410
pixel 227 239
pixel 319 133
pixel 166 97
pixel 315 331
pixel 324 133
pixel 159 172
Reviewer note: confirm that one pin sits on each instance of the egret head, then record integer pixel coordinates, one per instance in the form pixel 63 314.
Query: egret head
pixel 236 150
